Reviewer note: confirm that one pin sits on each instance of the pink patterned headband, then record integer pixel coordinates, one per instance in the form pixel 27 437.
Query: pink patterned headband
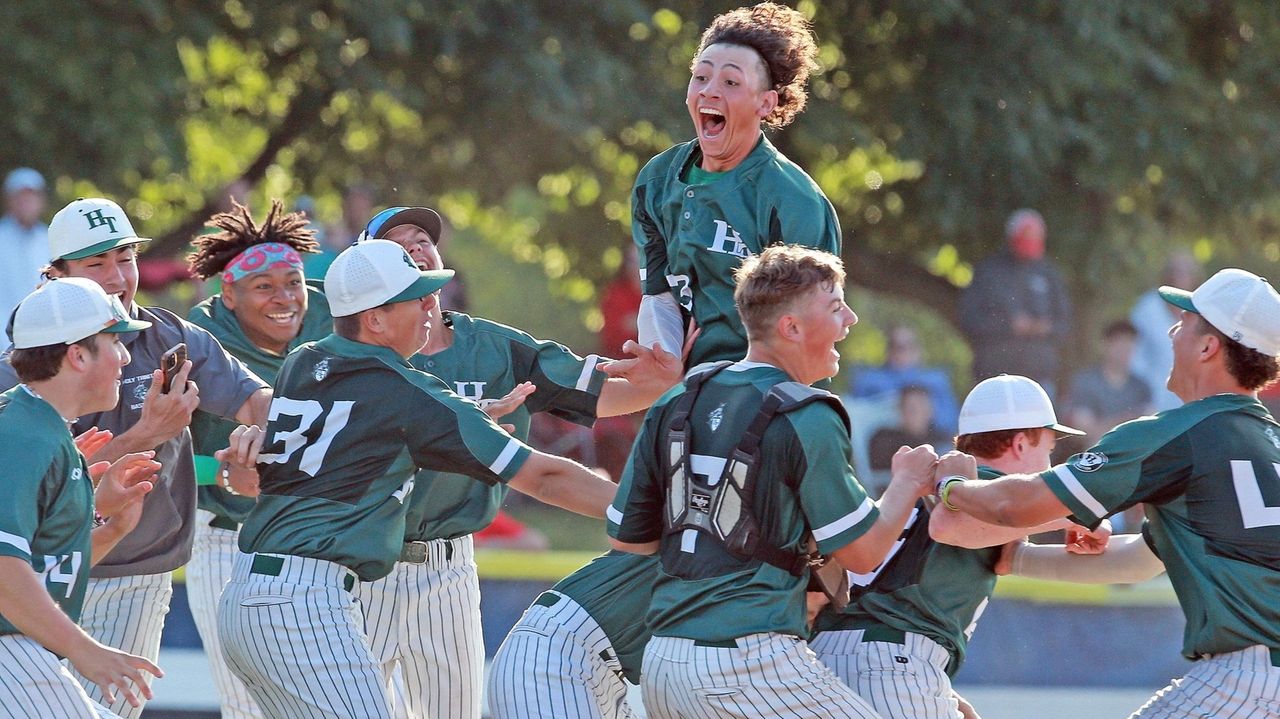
pixel 260 258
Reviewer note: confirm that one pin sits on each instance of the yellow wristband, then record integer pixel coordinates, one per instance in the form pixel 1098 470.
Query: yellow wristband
pixel 944 490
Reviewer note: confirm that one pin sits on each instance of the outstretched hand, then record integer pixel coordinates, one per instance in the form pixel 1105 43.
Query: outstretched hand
pixel 499 408
pixel 92 440
pixel 653 368
pixel 244 444
pixel 112 669
pixel 123 482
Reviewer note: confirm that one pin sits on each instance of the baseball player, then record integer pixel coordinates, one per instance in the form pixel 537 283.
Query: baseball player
pixel 730 477
pixel 68 356
pixel 350 425
pixel 702 206
pixel 128 592
pixel 424 617
pixel 904 632
pixel 1206 474
pixel 265 309
pixel 574 650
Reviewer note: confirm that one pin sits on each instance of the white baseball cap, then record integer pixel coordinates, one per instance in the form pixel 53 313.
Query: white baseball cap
pixel 1009 401
pixel 88 227
pixel 23 178
pixel 1239 304
pixel 68 310
pixel 375 273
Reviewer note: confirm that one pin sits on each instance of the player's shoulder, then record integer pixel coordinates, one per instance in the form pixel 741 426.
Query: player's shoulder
pixel 489 331
pixel 23 438
pixel 661 165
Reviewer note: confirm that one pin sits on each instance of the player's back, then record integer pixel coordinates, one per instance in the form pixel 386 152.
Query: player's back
pixel 1218 530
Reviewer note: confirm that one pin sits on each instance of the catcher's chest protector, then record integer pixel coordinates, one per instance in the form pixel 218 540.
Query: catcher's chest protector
pixel 723 507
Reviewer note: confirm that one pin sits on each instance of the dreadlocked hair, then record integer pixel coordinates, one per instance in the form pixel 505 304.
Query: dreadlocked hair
pixel 236 232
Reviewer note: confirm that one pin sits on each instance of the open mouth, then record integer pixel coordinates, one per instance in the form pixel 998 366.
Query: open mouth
pixel 712 122
pixel 282 318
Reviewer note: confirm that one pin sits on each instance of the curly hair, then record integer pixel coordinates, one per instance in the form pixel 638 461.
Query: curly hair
pixel 237 231
pixel 783 38
pixel 1252 369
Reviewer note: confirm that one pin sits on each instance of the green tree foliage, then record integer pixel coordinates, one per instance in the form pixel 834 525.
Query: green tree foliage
pixel 1129 125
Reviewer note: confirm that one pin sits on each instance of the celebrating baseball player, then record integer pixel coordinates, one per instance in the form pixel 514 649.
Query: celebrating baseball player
pixel 129 590
pixel 915 613
pixel 729 478
pixel 573 652
pixel 425 615
pixel 265 309
pixel 1207 475
pixel 350 425
pixel 68 356
pixel 702 206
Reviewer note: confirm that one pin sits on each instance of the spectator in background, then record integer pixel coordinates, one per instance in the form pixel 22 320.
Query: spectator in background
pixel 902 368
pixel 357 207
pixel 1152 317
pixel 916 426
pixel 24 239
pixel 1016 313
pixel 1108 393
pixel 620 304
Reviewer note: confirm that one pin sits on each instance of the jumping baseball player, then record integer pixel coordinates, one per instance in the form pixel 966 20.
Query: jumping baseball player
pixel 350 425
pixel 128 593
pixel 424 617
pixel 905 630
pixel 265 309
pixel 68 356
pixel 702 206
pixel 1206 473
pixel 575 649
pixel 730 478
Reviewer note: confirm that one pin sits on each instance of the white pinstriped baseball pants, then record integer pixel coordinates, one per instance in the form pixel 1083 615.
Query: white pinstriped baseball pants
pixel 426 619
pixel 212 555
pixel 1236 685
pixel 35 685
pixel 902 681
pixel 552 666
pixel 126 613
pixel 296 640
pixel 766 676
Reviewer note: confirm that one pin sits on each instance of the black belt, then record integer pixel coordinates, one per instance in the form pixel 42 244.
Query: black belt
pixel 547 599
pixel 272 566
pixel 1275 657
pixel 881 633
pixel 227 523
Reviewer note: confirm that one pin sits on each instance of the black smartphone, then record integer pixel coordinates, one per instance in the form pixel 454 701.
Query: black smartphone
pixel 170 362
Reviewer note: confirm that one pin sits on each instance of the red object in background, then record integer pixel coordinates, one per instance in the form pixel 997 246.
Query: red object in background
pixel 157 273
pixel 620 305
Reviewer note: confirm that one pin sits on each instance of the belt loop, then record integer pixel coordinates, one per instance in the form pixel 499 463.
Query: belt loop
pixel 448 550
pixel 1275 657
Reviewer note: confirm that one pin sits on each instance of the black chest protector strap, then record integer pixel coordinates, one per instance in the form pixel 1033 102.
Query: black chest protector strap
pixel 722 507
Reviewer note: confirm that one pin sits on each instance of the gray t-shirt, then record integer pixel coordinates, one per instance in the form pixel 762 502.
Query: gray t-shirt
pixel 162 540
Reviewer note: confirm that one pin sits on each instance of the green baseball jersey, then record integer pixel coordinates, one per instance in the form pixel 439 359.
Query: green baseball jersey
pixel 486 361
pixel 47 514
pixel 209 432
pixel 615 589
pixel 1209 475
pixel 691 237
pixel 349 425
pixel 924 587
pixel 805 484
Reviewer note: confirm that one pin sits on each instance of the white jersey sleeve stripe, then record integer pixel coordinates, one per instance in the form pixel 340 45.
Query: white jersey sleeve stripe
pixel 613 515
pixel 1079 492
pixel 16 542
pixel 508 454
pixel 832 529
pixel 588 369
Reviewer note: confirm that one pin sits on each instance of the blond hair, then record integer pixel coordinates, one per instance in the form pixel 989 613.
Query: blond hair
pixel 772 282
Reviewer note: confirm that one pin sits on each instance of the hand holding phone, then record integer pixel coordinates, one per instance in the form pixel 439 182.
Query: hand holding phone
pixel 170 362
